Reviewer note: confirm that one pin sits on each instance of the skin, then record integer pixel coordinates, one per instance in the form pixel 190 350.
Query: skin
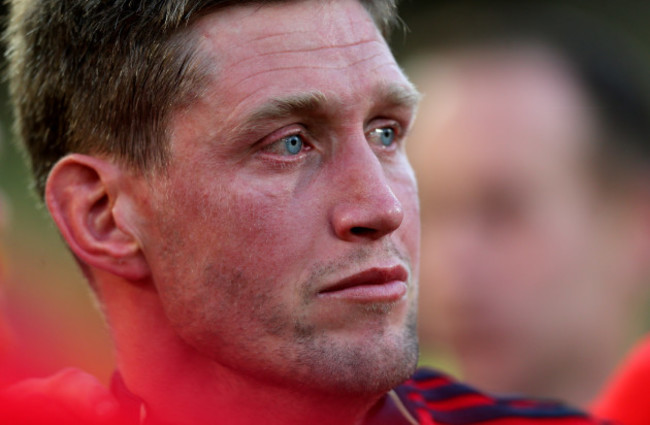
pixel 252 276
pixel 532 274
pixel 213 274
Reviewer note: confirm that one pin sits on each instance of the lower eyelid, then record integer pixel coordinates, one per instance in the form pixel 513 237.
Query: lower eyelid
pixel 286 156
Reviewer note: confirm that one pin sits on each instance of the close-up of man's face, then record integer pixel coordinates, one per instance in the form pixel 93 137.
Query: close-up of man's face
pixel 283 237
pixel 514 224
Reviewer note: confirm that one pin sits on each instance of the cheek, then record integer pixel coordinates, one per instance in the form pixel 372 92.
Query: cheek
pixel 257 229
pixel 404 187
pixel 229 248
pixel 411 236
pixel 550 248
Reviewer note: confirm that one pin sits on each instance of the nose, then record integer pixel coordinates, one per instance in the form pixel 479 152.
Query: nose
pixel 366 208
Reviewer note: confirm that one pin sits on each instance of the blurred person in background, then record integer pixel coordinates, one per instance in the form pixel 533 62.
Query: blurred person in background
pixel 531 151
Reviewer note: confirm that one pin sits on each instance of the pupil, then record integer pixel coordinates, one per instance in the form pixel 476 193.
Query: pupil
pixel 293 144
pixel 386 136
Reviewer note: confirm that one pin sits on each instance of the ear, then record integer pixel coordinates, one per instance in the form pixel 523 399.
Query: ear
pixel 81 194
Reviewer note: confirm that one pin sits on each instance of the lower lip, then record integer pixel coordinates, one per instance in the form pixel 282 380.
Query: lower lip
pixel 386 292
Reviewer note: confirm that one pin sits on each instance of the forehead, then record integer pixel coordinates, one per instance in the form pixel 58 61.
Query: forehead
pixel 495 109
pixel 259 52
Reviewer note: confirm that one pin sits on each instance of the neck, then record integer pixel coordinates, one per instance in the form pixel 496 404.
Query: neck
pixel 182 386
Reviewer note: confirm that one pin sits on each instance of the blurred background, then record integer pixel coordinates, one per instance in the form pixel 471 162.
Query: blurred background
pixel 532 153
pixel 523 298
pixel 49 320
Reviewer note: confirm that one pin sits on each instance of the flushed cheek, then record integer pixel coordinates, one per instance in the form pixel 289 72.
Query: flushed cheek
pixel 262 230
pixel 232 245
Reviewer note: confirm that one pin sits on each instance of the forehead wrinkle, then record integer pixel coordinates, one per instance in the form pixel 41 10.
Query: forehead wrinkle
pixel 369 58
pixel 268 52
pixel 269 38
pixel 323 66
pixel 324 16
pixel 307 103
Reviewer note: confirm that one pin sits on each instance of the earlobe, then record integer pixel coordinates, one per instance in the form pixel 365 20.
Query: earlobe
pixel 81 193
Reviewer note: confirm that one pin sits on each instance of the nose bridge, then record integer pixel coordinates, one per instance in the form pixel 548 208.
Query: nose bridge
pixel 366 205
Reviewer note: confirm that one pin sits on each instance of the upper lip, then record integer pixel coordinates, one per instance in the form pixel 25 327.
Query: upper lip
pixel 371 276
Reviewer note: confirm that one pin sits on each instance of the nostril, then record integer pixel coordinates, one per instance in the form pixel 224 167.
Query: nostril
pixel 362 231
pixel 368 217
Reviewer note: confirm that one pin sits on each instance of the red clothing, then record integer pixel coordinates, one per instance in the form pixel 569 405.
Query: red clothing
pixel 626 398
pixel 428 398
pixel 432 398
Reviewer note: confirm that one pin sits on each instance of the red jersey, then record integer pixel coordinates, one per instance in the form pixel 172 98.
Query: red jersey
pixel 430 398
pixel 626 398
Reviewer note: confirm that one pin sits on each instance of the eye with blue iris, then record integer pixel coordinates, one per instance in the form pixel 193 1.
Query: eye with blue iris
pixel 385 136
pixel 293 144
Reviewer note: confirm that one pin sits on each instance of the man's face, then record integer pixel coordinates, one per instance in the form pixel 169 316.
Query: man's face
pixel 518 268
pixel 284 236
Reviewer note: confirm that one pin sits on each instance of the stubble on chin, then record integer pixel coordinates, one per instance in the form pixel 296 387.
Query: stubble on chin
pixel 370 363
pixel 372 366
pixel 281 345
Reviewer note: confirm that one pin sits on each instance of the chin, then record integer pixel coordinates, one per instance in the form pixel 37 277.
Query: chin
pixel 370 365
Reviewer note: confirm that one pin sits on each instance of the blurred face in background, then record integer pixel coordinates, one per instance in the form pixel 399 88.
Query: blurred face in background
pixel 525 263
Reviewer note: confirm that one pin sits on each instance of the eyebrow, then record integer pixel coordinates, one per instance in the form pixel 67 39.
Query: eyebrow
pixel 281 107
pixel 394 95
pixel 399 95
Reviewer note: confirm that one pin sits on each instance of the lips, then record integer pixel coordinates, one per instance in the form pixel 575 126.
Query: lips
pixel 377 284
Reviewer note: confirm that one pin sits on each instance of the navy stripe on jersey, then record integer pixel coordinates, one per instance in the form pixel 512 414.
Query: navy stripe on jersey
pixel 434 398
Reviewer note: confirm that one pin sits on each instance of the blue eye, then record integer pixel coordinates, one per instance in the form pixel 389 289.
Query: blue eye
pixel 386 135
pixel 293 144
